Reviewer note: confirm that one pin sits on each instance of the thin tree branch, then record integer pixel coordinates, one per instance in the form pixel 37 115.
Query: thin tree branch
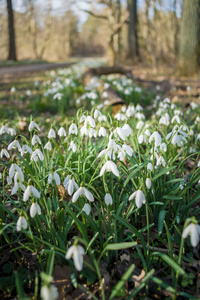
pixel 94 14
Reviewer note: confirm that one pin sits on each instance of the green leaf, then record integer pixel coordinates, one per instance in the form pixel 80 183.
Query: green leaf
pixel 172 197
pixel 170 262
pixel 161 219
pixel 164 171
pixel 121 283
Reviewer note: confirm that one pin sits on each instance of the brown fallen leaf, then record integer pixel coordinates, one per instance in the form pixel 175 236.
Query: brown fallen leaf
pixel 137 279
pixel 62 280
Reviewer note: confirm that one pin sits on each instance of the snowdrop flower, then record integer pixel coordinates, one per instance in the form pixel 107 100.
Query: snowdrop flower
pixel 73 147
pixel 84 131
pixel 163 147
pixel 194 231
pixel 26 149
pixel 120 132
pixel 150 167
pixel 142 139
pixel 109 166
pixel 148 183
pixel 127 130
pixel 0 175
pixel 62 132
pixel 139 125
pixel 97 113
pixel 160 161
pixel 35 139
pixel 89 120
pixel 37 154
pixel 28 93
pixel 13 169
pixel 30 191
pixel 87 209
pixel 73 129
pixel 52 133
pixel 48 146
pixel 139 198
pixel 82 119
pixel 108 199
pixel 102 132
pixel 15 144
pixel 21 223
pixel 13 89
pixel 102 118
pixel 70 184
pixel 82 191
pixel 4 152
pixel 35 209
pixel 198 165
pixel 176 118
pixel 147 132
pixel 3 130
pixel 76 252
pixel 55 176
pixel 33 125
pixel 49 292
pixel 127 149
pixel 120 117
pixel 17 184
pixel 92 132
pixel 155 136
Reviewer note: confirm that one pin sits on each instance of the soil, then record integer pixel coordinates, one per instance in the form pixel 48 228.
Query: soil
pixel 9 73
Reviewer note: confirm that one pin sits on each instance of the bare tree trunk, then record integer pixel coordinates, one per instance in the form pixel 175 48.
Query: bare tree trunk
pixel 118 21
pixel 176 28
pixel 133 50
pixel 189 51
pixel 11 29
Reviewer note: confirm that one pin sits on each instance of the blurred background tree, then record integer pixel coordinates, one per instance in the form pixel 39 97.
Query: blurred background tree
pixel 154 32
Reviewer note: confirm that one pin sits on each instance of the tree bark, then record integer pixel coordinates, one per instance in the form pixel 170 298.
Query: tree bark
pixel 189 51
pixel 133 50
pixel 11 29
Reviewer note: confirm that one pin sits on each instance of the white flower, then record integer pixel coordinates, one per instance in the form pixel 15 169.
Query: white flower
pixel 62 132
pixel 139 125
pixel 109 166
pixel 161 161
pixel 102 132
pixel 148 183
pixel 194 231
pixel 84 131
pixel 97 113
pixel 163 147
pixel 127 130
pixel 92 132
pixel 142 139
pixel 48 146
pixel 87 208
pixel 139 198
pixel 82 191
pixel 33 125
pixel 83 117
pixel 120 132
pixel 89 120
pixel 21 223
pixel 30 191
pixel 4 152
pixel 37 154
pixel 70 184
pixel 49 292
pixel 56 178
pixel 15 168
pixel 155 136
pixel 35 209
pixel 52 133
pixel 127 149
pixel 150 167
pixel 76 252
pixel 3 130
pixel 73 129
pixel 13 145
pixel 73 147
pixel 26 149
pixel 108 199
pixel 35 139
pixel 176 118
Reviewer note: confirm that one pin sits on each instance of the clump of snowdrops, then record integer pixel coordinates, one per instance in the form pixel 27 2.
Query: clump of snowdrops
pixel 85 190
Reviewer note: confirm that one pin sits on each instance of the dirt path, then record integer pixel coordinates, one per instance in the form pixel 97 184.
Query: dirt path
pixel 9 73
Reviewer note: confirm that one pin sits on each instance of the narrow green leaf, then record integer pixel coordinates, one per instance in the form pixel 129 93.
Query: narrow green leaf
pixel 161 219
pixel 170 262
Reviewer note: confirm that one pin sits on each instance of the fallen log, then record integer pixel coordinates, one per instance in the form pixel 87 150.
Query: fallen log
pixel 112 95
